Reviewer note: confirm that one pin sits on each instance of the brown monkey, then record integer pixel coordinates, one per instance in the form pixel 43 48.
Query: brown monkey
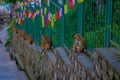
pixel 24 35
pixel 79 44
pixel 20 33
pixel 16 31
pixel 46 43
pixel 30 40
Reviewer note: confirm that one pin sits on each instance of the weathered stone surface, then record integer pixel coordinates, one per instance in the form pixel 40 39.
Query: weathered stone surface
pixel 110 57
pixel 9 66
pixel 58 64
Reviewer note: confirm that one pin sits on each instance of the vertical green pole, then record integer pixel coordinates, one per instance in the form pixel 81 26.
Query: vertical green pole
pixel 80 18
pixel 108 22
pixel 62 41
pixel 63 32
pixel 35 26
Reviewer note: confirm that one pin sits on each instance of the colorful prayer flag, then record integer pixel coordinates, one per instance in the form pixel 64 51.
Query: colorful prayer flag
pixel 47 21
pixel 41 12
pixel 71 3
pixel 37 12
pixel 49 16
pixel 32 15
pixel 45 11
pixel 52 21
pixel 43 21
pixel 66 8
pixel 80 1
pixel 58 15
pixel 27 13
pixel 20 21
pixel 61 12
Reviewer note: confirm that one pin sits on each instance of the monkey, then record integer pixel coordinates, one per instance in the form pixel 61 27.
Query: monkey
pixel 46 43
pixel 24 35
pixel 30 40
pixel 16 31
pixel 20 33
pixel 79 44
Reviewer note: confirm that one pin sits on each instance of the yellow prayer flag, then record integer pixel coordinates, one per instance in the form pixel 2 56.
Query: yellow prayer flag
pixel 25 8
pixel 54 17
pixel 42 21
pixel 18 20
pixel 80 1
pixel 29 14
pixel 65 8
pixel 37 11
pixel 45 10
pixel 52 22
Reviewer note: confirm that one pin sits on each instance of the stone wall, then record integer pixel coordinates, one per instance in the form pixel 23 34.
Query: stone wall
pixel 59 63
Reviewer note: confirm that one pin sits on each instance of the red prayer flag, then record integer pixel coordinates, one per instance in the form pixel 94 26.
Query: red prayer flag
pixel 47 21
pixel 27 14
pixel 32 15
pixel 20 20
pixel 58 15
pixel 71 3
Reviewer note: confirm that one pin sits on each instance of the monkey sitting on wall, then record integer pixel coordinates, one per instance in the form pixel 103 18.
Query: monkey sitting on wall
pixel 46 43
pixel 30 40
pixel 24 35
pixel 79 44
pixel 16 31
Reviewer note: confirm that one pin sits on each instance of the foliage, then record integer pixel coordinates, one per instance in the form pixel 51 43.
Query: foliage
pixel 10 34
pixel 11 1
pixel 39 58
pixel 94 23
pixel 116 22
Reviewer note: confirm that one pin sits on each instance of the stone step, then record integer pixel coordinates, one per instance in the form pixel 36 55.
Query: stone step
pixel 62 53
pixel 51 56
pixel 3 49
pixel 109 55
pixel 4 58
pixel 9 66
pixel 117 51
pixel 21 76
pixel 84 60
pixel 18 75
pixel 39 49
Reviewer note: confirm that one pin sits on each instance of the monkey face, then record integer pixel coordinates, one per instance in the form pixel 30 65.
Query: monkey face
pixel 77 36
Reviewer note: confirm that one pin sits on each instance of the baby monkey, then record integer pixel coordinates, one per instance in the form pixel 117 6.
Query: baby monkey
pixel 79 44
